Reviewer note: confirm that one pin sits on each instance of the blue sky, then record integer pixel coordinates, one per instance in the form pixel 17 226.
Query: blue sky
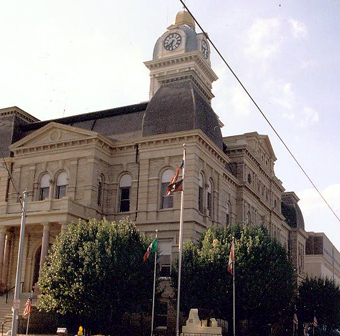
pixel 61 58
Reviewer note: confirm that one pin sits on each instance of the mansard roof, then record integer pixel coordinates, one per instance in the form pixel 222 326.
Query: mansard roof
pixel 119 123
pixel 291 210
pixel 178 106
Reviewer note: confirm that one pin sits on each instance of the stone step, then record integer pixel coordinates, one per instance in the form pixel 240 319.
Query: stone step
pixel 6 310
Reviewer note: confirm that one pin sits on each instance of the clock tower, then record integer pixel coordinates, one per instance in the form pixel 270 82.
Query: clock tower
pixel 181 54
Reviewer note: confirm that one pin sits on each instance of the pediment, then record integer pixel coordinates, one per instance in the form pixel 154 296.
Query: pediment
pixel 267 146
pixel 51 134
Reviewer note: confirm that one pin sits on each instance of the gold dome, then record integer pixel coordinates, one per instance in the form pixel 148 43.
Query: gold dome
pixel 183 17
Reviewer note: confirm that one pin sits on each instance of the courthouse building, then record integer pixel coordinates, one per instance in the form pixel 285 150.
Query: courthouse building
pixel 118 162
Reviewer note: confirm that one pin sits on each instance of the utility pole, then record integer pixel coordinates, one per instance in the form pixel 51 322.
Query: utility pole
pixel 16 300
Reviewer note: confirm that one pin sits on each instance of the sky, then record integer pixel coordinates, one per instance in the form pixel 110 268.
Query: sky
pixel 61 58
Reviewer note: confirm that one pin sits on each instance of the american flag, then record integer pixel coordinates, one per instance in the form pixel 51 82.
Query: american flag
pixel 28 308
pixel 295 319
pixel 315 322
pixel 231 259
pixel 173 184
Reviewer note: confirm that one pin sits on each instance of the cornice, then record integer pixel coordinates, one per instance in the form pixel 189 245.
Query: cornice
pixel 193 56
pixel 8 111
pixel 197 135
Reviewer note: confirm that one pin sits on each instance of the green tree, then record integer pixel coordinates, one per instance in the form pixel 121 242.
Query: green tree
pixel 95 272
pixel 320 298
pixel 264 278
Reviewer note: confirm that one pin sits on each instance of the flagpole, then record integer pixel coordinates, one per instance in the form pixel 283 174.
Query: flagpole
pixel 180 245
pixel 154 291
pixel 16 299
pixel 234 296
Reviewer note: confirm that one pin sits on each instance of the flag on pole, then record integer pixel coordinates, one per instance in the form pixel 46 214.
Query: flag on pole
pixel 152 248
pixel 173 184
pixel 295 319
pixel 231 260
pixel 28 308
pixel 315 322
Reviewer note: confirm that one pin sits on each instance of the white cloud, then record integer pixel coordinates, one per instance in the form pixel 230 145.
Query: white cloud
pixel 287 98
pixel 311 202
pixel 263 40
pixel 308 64
pixel 310 117
pixel 240 102
pixel 298 28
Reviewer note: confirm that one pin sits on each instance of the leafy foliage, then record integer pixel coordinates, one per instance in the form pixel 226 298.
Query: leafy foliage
pixel 321 298
pixel 93 272
pixel 264 277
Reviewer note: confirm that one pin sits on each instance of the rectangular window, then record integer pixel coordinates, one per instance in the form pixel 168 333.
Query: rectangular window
pixel 124 199
pixel 44 193
pixel 164 248
pixel 161 317
pixel 167 200
pixel 200 199
pixel 227 220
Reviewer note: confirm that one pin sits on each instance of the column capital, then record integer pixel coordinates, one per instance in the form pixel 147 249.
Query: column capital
pixel 46 225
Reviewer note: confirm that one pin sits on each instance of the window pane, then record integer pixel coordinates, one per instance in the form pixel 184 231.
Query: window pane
pixel 61 191
pixel 125 181
pixel 99 199
pixel 124 200
pixel 167 201
pixel 125 193
pixel 44 193
pixel 62 179
pixel 209 203
pixel 45 181
pixel 124 206
pixel 200 199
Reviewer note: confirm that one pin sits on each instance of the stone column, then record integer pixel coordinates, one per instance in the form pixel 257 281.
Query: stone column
pixel 4 276
pixel 63 227
pixel 45 244
pixel 2 245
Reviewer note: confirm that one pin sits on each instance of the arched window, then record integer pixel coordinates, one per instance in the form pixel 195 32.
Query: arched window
pixel 227 214
pixel 167 201
pixel 124 193
pixel 100 190
pixel 209 198
pixel 200 193
pixel 44 187
pixel 61 185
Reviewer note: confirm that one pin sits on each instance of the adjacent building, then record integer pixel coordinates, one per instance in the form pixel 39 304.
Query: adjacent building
pixel 322 258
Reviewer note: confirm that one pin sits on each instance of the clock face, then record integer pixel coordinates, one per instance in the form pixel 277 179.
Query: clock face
pixel 204 49
pixel 172 41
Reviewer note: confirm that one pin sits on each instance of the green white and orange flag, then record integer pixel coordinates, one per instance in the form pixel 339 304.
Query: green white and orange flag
pixel 152 248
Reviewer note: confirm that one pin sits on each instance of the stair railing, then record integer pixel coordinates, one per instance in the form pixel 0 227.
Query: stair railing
pixel 9 290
